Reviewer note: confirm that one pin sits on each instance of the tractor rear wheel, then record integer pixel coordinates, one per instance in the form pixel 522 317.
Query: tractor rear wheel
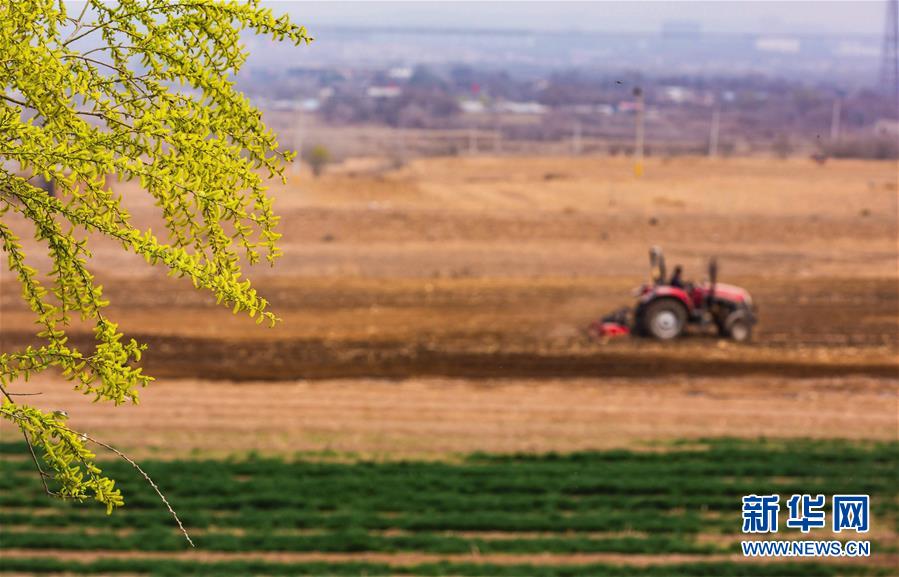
pixel 664 319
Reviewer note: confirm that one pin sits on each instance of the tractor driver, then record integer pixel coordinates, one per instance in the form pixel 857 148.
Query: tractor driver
pixel 677 277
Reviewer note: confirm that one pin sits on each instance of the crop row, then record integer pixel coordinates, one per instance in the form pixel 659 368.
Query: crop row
pixel 583 482
pixel 172 568
pixel 670 496
pixel 529 521
pixel 350 542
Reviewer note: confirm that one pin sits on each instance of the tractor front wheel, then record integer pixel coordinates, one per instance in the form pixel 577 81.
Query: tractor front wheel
pixel 738 326
pixel 664 319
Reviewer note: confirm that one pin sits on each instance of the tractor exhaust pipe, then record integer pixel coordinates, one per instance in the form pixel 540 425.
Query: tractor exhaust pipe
pixel 656 265
pixel 713 278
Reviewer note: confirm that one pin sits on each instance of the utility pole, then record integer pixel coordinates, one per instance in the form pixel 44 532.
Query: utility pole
pixel 889 70
pixel 298 143
pixel 576 145
pixel 638 138
pixel 497 128
pixel 401 139
pixel 835 120
pixel 713 132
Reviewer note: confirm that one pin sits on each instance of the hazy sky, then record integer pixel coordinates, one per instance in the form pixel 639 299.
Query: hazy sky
pixel 733 16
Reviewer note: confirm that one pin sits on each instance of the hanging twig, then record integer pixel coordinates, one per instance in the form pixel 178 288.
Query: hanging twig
pixel 144 475
pixel 37 465
pixel 120 454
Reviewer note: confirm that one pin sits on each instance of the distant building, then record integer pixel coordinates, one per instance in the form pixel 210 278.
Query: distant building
pixel 779 44
pixel 391 91
pixel 472 106
pixel 304 105
pixel 400 73
pixel 310 104
pixel 857 48
pixel 678 94
pixel 886 127
pixel 521 107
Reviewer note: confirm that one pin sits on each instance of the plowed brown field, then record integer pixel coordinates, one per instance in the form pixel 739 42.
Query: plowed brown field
pixel 469 282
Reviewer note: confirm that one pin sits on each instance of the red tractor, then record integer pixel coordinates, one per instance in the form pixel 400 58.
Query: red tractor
pixel 665 307
pixel 663 310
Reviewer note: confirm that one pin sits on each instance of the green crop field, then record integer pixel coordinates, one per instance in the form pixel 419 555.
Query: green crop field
pixel 679 509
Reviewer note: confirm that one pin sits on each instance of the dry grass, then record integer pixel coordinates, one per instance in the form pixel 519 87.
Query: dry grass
pixel 437 418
